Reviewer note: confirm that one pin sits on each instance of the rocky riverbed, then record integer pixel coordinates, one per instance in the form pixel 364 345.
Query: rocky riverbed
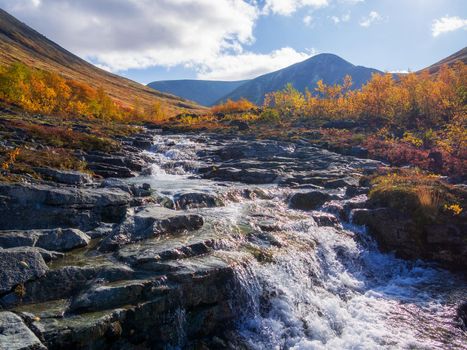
pixel 208 242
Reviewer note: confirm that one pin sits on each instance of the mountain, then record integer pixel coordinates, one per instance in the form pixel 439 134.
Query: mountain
pixel 20 43
pixel 204 92
pixel 327 67
pixel 460 55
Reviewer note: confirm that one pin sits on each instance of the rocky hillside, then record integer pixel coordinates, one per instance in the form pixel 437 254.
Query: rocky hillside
pixel 20 43
pixel 327 67
pixel 204 92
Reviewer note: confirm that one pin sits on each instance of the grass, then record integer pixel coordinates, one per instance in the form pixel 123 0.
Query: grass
pixel 421 195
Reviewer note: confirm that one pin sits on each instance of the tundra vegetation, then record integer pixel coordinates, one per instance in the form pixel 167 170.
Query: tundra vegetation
pixel 414 119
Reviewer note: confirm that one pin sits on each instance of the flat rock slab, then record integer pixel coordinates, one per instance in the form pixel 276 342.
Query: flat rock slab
pixel 54 239
pixel 148 223
pixel 18 265
pixel 15 335
pixel 26 207
pixel 166 249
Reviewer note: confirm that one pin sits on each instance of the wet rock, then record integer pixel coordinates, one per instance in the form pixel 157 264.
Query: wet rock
pixel 15 335
pixel 258 149
pixel 150 222
pixel 142 143
pixel 462 315
pixel 355 190
pixel 250 176
pixel 116 183
pixel 51 207
pixel 398 232
pixel 325 219
pixel 54 239
pixel 101 231
pixel 110 296
pixel 196 200
pixel 66 281
pixel 123 161
pixel 392 230
pixel 18 265
pixel 338 183
pixel 107 170
pixel 65 176
pixel 154 251
pixel 309 200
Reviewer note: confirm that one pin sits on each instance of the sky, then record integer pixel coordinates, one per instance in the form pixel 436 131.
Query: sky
pixel 148 40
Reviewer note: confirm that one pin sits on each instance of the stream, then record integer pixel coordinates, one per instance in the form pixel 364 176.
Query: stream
pixel 311 286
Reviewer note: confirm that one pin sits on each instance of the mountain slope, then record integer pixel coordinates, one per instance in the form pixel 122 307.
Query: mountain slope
pixel 327 67
pixel 204 92
pixel 460 55
pixel 20 43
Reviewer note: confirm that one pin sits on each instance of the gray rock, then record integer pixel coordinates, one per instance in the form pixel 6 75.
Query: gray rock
pixel 110 296
pixel 101 231
pixel 18 265
pixel 65 176
pixel 15 335
pixel 325 219
pixel 309 200
pixel 51 207
pixel 150 222
pixel 196 200
pixel 54 239
pixel 66 281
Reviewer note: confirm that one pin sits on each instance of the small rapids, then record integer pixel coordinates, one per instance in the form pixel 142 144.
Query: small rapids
pixel 321 287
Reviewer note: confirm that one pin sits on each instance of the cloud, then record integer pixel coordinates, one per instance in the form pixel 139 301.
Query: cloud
pixel 343 18
pixel 373 17
pixel 287 7
pixel 249 65
pixel 307 20
pixel 447 24
pixel 124 34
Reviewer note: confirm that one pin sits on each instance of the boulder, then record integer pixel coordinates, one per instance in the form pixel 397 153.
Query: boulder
pixel 196 200
pixel 309 200
pixel 15 335
pixel 325 219
pixel 398 232
pixel 18 265
pixel 53 239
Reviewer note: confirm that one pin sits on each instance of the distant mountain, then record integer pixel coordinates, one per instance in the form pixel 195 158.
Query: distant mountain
pixel 327 67
pixel 20 43
pixel 204 92
pixel 460 55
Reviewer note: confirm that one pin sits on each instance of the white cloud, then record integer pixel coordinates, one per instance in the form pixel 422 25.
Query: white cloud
pixel 249 65
pixel 399 71
pixel 307 20
pixel 343 18
pixel 373 17
pixel 124 34
pixel 335 19
pixel 447 24
pixel 287 7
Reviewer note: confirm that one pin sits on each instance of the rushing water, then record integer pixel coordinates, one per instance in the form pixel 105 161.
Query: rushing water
pixel 325 287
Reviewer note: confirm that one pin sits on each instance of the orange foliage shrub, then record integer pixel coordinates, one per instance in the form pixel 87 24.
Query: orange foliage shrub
pixel 242 105
pixel 45 92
